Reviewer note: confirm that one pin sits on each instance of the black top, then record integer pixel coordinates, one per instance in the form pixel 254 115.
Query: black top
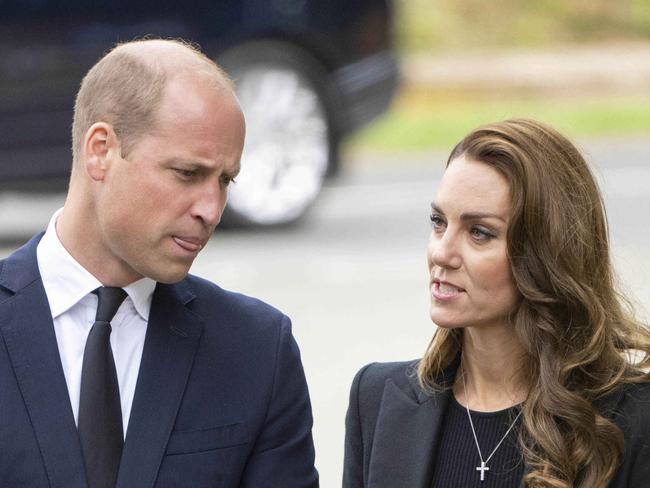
pixel 457 459
pixel 394 428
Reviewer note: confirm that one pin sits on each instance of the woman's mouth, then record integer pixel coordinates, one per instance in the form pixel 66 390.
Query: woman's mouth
pixel 445 291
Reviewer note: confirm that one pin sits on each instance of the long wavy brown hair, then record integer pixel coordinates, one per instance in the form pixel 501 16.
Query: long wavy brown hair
pixel 579 333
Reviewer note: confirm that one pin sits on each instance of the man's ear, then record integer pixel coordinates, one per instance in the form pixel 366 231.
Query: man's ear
pixel 99 148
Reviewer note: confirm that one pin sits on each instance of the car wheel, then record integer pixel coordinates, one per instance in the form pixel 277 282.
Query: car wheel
pixel 291 139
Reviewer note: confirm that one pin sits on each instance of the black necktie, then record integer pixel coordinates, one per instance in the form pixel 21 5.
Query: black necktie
pixel 100 412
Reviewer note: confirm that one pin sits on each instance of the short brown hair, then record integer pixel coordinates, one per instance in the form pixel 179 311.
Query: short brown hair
pixel 125 89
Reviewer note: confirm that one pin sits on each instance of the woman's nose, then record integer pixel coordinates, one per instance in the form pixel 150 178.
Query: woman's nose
pixel 444 251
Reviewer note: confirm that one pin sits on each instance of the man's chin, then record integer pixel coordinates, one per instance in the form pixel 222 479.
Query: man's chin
pixel 172 274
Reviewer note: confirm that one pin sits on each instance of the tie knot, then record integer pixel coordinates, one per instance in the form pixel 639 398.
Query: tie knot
pixel 110 299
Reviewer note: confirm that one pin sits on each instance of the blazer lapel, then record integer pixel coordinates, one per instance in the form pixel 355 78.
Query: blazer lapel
pixel 172 338
pixel 27 328
pixel 406 437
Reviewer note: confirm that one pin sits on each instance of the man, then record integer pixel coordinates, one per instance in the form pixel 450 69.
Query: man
pixel 181 383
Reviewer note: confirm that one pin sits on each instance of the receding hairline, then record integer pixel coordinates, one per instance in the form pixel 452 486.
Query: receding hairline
pixel 174 57
pixel 126 86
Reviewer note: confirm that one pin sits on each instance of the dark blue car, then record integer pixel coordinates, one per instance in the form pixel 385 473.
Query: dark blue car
pixel 308 72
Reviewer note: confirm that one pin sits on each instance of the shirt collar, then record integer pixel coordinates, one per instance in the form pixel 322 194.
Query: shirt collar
pixel 141 293
pixel 66 282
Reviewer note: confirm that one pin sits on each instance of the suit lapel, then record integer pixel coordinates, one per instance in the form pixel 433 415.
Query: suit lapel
pixel 27 328
pixel 406 436
pixel 172 338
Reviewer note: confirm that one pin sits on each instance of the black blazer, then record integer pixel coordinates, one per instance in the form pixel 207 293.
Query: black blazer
pixel 393 428
pixel 220 402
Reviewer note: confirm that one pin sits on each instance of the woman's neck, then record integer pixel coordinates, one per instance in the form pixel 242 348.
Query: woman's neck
pixel 492 370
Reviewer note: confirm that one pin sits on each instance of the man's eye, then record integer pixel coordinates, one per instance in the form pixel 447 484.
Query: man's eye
pixel 185 173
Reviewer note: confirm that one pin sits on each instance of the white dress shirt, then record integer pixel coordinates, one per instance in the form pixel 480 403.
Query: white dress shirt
pixel 68 287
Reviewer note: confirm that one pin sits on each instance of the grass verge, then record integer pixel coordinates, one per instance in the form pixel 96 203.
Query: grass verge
pixel 421 120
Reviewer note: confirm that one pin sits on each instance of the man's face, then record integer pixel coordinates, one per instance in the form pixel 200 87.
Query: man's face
pixel 158 208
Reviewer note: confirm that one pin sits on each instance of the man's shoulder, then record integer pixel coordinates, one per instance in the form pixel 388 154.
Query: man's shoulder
pixel 211 301
pixel 20 268
pixel 210 291
pixel 4 290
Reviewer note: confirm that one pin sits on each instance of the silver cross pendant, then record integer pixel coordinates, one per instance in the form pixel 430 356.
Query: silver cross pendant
pixel 482 468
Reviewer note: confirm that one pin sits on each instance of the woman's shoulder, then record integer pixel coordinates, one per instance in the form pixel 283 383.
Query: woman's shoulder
pixel 370 381
pixel 636 397
pixel 631 412
pixel 629 407
pixel 374 375
pixel 639 389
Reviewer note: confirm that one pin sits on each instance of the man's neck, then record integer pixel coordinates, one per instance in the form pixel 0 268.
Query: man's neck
pixel 84 245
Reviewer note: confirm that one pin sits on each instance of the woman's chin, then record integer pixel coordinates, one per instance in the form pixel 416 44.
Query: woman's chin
pixel 444 320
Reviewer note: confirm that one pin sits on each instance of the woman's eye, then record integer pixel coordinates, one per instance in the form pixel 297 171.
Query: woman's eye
pixel 227 180
pixel 437 222
pixel 481 234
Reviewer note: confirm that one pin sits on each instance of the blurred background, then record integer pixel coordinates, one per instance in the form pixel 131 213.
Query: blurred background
pixel 350 268
pixel 583 66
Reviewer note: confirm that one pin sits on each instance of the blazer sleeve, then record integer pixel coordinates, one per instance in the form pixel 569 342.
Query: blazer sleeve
pixel 353 462
pixel 283 455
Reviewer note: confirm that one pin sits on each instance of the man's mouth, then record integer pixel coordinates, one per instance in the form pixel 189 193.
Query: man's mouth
pixel 190 244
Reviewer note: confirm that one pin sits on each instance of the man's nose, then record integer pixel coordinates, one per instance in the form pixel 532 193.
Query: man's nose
pixel 444 250
pixel 209 205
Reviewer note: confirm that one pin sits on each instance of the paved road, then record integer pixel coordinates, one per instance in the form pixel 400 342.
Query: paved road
pixel 353 275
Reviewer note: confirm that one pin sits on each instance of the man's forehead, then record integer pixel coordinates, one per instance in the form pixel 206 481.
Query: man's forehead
pixel 187 80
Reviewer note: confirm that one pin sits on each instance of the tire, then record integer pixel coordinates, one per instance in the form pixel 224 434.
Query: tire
pixel 291 135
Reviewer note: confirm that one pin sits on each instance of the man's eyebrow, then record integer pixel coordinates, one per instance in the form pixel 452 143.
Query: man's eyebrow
pixel 470 215
pixel 198 165
pixel 181 161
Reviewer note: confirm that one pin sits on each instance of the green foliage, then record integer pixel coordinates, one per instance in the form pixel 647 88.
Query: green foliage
pixel 640 11
pixel 467 24
pixel 425 117
pixel 422 122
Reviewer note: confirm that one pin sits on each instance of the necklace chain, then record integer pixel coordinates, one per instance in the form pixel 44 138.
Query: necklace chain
pixel 471 423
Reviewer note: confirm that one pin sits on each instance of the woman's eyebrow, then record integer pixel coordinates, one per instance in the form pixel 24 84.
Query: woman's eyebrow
pixel 480 215
pixel 469 215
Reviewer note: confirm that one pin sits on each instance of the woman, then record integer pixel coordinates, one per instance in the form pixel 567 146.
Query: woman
pixel 537 373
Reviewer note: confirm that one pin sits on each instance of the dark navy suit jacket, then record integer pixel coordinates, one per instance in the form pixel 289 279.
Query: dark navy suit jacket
pixel 393 429
pixel 221 399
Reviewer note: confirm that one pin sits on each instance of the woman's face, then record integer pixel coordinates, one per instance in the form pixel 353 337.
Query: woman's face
pixel 470 280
